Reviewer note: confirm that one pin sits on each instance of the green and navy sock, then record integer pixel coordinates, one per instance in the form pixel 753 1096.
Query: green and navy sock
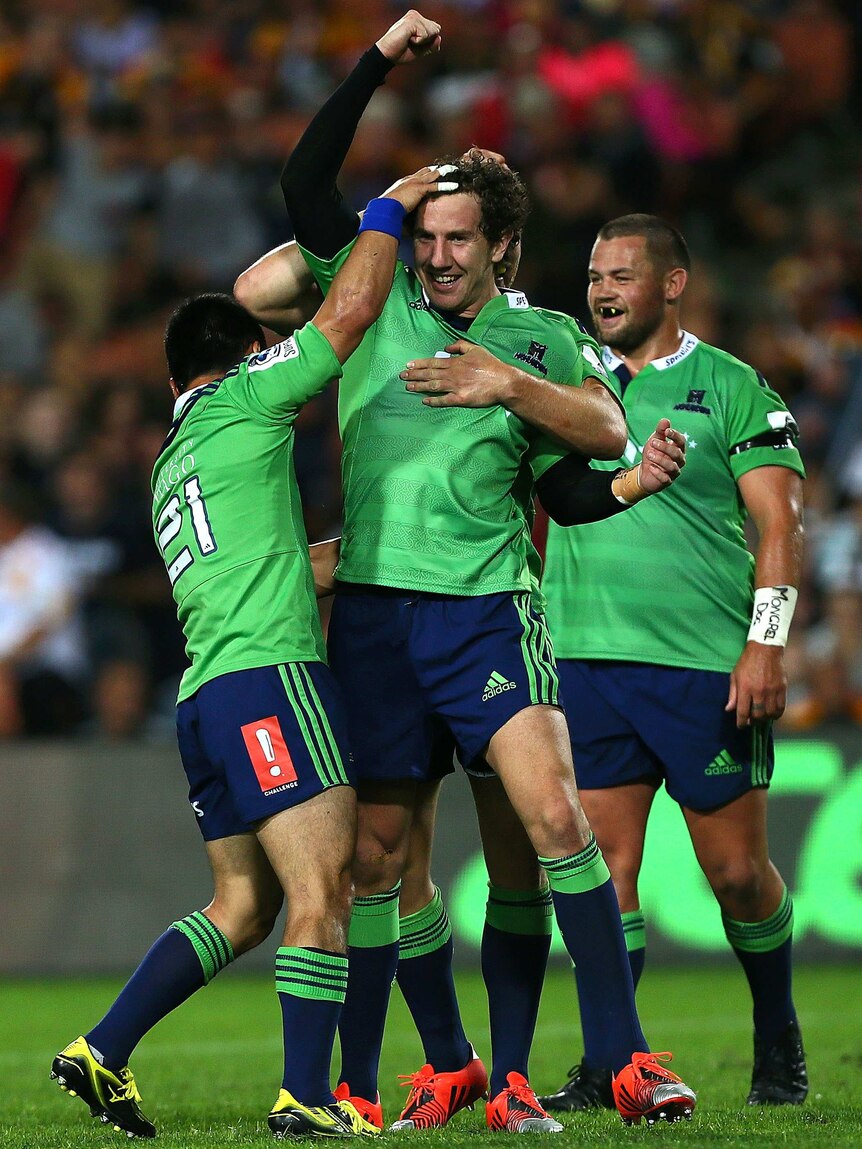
pixel 634 932
pixel 373 956
pixel 425 978
pixel 515 946
pixel 311 985
pixel 588 915
pixel 764 952
pixel 187 956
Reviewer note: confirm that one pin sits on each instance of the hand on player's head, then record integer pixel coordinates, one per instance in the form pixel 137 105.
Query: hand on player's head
pixel 663 458
pixel 412 36
pixel 486 154
pixel 411 190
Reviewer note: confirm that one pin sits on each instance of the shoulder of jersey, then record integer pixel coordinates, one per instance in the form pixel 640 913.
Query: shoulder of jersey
pixel 559 319
pixel 730 370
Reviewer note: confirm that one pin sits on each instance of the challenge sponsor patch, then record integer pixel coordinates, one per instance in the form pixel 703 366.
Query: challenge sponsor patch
pixel 269 754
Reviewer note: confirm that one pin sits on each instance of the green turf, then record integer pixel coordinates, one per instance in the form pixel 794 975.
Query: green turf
pixel 210 1072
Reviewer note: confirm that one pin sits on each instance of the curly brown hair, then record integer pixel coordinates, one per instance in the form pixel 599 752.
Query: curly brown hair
pixel 500 191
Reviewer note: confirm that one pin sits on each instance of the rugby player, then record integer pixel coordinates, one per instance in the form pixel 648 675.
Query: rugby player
pixel 435 633
pixel 671 657
pixel 260 725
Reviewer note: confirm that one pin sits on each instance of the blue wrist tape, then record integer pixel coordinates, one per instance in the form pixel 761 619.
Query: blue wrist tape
pixel 386 215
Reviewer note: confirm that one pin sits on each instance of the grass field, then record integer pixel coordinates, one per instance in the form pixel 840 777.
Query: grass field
pixel 210 1072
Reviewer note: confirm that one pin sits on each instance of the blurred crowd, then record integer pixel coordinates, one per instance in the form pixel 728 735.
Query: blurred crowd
pixel 140 149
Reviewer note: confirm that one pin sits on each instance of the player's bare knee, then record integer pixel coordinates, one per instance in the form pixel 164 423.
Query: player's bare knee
pixel 557 829
pixel 738 884
pixel 245 921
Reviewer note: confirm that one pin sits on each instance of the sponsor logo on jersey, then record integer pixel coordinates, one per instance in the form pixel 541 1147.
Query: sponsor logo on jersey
pixel 196 806
pixel 419 305
pixel 534 355
pixel 694 402
pixel 689 342
pixel 722 764
pixel 517 300
pixel 287 349
pixel 497 684
pixel 269 754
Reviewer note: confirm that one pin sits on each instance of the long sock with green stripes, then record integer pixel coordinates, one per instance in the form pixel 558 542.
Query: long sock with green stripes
pixel 764 952
pixel 588 915
pixel 515 946
pixel 373 956
pixel 187 956
pixel 424 977
pixel 634 932
pixel 311 985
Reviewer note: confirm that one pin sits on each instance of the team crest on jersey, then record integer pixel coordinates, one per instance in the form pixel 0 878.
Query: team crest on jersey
pixel 287 349
pixel 694 402
pixel 534 355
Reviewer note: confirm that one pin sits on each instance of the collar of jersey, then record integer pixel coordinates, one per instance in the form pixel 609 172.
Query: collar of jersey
pixel 507 299
pixel 183 400
pixel 686 346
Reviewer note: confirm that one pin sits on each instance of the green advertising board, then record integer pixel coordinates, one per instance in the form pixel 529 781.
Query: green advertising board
pixel 815 826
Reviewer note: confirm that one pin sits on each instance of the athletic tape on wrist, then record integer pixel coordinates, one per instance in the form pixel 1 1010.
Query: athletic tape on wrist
pixel 386 215
pixel 629 490
pixel 772 614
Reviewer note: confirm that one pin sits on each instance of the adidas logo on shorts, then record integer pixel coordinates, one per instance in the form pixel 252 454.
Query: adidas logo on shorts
pixel 722 764
pixel 496 684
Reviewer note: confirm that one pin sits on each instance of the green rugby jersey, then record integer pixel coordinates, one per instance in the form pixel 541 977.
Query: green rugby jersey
pixel 670 581
pixel 440 499
pixel 227 516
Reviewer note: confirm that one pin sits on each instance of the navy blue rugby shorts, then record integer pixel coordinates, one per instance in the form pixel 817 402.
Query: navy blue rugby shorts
pixel 256 742
pixel 421 671
pixel 636 722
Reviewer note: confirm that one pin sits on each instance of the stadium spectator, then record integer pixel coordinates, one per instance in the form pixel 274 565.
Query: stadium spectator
pixel 43 660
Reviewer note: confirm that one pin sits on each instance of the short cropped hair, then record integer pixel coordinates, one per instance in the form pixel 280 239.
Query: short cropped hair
pixel 501 193
pixel 208 333
pixel 665 246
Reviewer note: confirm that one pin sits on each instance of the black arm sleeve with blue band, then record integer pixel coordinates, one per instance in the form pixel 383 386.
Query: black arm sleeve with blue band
pixel 323 222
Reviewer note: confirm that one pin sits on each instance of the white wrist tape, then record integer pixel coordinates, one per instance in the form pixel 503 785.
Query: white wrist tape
pixel 772 614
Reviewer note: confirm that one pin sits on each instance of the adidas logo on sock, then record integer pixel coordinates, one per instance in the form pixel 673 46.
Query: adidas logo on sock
pixel 496 684
pixel 722 764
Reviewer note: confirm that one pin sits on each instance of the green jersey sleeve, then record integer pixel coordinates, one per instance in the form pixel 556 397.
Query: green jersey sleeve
pixel 325 270
pixel 760 430
pixel 275 383
pixel 544 450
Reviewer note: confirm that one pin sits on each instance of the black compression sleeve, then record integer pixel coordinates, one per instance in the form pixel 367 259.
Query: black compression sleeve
pixel 571 492
pixel 322 221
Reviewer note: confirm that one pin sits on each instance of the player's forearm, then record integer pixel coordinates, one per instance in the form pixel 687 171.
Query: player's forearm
pixel 279 289
pixel 778 561
pixel 586 419
pixel 322 221
pixel 572 493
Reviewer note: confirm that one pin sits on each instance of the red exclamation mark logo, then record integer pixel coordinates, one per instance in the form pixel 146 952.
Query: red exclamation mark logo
pixel 268 752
